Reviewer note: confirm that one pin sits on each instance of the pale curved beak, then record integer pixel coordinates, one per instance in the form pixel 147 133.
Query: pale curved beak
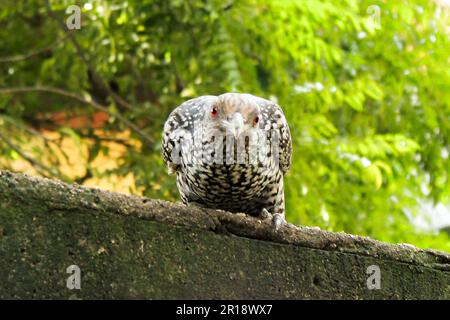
pixel 236 124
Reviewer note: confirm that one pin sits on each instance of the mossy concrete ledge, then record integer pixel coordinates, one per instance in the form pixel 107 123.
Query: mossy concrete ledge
pixel 137 248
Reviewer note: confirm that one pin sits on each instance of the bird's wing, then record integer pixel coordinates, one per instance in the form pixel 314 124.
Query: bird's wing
pixel 179 124
pixel 275 120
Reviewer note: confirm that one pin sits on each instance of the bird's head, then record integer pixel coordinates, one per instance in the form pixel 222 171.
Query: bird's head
pixel 234 114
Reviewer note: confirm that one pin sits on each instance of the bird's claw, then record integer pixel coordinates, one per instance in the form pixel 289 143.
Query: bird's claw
pixel 265 214
pixel 277 218
pixel 195 205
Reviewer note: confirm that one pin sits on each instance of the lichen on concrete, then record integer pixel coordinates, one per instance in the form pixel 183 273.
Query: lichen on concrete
pixel 132 247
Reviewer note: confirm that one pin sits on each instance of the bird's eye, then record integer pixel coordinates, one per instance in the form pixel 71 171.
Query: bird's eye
pixel 256 121
pixel 214 111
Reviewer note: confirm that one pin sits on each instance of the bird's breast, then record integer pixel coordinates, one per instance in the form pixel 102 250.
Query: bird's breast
pixel 225 185
pixel 224 174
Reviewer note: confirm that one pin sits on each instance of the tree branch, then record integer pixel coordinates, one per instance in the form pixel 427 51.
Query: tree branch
pixel 74 96
pixel 40 167
pixel 105 139
pixel 81 53
pixel 26 56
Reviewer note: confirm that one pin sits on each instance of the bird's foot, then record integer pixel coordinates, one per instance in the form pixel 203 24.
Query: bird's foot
pixel 265 214
pixel 195 204
pixel 277 219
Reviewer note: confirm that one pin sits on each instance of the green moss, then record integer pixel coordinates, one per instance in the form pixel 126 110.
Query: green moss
pixel 124 256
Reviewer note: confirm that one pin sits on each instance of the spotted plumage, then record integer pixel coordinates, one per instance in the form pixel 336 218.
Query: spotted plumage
pixel 229 152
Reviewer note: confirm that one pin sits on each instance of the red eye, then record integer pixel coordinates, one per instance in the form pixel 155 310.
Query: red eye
pixel 255 121
pixel 214 111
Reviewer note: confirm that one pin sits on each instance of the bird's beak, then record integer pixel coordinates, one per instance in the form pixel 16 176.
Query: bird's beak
pixel 237 124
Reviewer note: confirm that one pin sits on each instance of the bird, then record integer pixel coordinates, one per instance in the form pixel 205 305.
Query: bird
pixel 230 152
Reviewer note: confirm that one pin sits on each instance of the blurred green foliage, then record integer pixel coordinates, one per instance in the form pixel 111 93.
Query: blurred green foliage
pixel 365 86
